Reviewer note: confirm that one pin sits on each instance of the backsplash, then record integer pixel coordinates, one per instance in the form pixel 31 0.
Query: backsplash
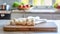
pixel 1 2
pixel 10 1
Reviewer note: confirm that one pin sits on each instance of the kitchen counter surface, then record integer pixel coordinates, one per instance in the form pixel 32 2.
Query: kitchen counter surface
pixel 43 11
pixel 2 32
pixel 5 12
pixel 42 27
pixel 6 21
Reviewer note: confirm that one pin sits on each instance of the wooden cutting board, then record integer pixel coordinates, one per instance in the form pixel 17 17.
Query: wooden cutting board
pixel 43 27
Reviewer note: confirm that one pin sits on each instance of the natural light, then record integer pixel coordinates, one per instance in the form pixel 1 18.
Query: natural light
pixel 39 2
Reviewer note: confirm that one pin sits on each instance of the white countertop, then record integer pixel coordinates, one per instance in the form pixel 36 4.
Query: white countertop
pixel 31 10
pixel 5 21
pixel 2 32
pixel 42 11
pixel 5 12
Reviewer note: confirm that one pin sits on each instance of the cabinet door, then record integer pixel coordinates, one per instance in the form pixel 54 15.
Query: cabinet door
pixel 56 16
pixel 42 16
pixel 46 16
pixel 16 15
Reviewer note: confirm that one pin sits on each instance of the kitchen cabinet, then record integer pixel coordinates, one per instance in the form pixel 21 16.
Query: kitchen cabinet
pixel 16 15
pixel 52 16
pixel 56 16
pixel 42 15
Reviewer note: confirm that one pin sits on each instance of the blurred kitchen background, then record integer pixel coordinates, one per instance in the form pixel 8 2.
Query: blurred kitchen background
pixel 45 9
pixel 42 8
pixel 41 4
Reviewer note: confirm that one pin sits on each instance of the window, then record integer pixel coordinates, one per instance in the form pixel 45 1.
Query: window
pixel 40 3
pixel 48 2
pixel 25 1
pixel 57 1
pixel 36 3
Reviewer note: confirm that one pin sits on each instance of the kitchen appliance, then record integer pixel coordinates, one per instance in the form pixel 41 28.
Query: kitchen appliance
pixel 3 6
pixel 5 16
pixel 7 7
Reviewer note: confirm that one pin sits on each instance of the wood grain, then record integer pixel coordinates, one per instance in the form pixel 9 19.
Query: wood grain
pixel 44 27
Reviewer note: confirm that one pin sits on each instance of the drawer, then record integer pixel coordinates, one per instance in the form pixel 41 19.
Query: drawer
pixel 42 16
pixel 16 15
pixel 6 16
pixel 56 16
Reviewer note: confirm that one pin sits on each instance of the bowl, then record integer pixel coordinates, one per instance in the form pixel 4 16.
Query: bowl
pixel 23 8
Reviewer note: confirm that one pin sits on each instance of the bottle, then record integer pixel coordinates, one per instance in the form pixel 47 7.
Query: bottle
pixel 7 7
